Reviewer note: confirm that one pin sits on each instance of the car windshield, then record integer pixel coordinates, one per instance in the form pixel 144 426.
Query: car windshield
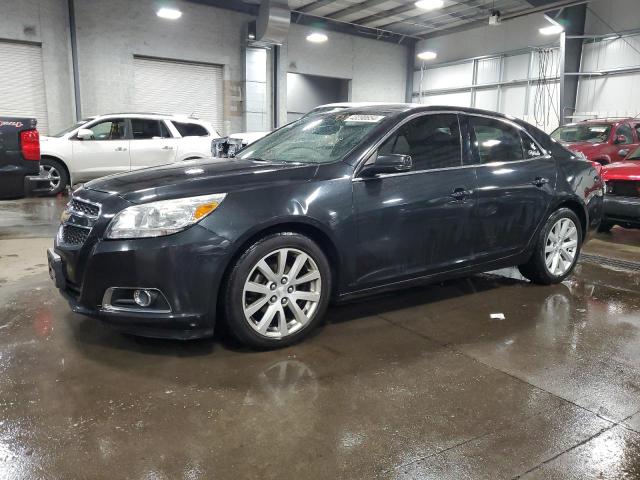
pixel 72 127
pixel 587 132
pixel 318 139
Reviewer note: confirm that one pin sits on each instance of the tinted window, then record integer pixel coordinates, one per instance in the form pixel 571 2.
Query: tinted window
pixel 583 132
pixel 164 131
pixel 433 141
pixel 495 141
pixel 109 130
pixel 625 130
pixel 191 129
pixel 143 129
pixel 531 149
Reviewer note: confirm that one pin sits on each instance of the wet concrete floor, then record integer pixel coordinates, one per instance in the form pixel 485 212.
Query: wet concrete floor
pixel 416 384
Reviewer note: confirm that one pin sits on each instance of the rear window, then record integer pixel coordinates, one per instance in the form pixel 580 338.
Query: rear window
pixel 190 129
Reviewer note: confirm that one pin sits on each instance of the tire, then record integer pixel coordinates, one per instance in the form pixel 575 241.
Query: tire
pixel 605 227
pixel 537 268
pixel 254 304
pixel 59 178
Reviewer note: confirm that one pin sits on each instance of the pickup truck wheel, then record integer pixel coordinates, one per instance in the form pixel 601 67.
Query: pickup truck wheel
pixel 57 174
pixel 277 291
pixel 557 249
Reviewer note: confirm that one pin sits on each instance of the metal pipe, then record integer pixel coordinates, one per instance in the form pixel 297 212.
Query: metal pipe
pixel 562 94
pixel 74 59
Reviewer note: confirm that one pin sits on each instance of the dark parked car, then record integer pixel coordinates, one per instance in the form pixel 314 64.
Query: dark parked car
pixel 20 158
pixel 332 206
pixel 622 199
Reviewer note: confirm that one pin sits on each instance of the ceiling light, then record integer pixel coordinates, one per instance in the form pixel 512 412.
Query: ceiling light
pixel 170 13
pixel 317 37
pixel 551 30
pixel 427 55
pixel 429 4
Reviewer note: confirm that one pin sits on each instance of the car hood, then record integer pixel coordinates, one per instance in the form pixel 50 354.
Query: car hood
pixel 584 147
pixel 626 170
pixel 200 177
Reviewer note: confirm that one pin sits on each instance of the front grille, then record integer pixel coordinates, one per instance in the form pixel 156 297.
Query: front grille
pixel 80 206
pixel 72 235
pixel 623 188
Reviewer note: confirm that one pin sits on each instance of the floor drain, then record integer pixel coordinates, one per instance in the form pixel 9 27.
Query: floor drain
pixel 610 262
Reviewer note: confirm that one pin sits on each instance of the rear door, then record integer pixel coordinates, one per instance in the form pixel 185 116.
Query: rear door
pixel 151 143
pixel 418 222
pixel 516 184
pixel 105 153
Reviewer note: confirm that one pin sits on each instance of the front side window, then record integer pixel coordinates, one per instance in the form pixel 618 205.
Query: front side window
pixel 583 132
pixel 145 129
pixel 190 129
pixel 315 139
pixel 433 141
pixel 624 130
pixel 109 130
pixel 495 141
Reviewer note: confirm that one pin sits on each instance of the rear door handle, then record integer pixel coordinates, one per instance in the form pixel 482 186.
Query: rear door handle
pixel 460 194
pixel 167 147
pixel 121 149
pixel 540 181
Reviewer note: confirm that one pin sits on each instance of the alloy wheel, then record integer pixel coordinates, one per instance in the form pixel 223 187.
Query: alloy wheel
pixel 561 246
pixel 53 175
pixel 281 293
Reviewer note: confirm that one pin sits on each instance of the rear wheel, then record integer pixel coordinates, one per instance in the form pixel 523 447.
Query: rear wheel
pixel 277 291
pixel 557 249
pixel 56 174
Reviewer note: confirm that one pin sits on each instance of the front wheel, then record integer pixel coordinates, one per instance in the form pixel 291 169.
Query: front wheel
pixel 557 248
pixel 56 174
pixel 277 291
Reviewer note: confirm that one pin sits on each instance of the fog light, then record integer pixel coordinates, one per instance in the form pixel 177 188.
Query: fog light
pixel 142 297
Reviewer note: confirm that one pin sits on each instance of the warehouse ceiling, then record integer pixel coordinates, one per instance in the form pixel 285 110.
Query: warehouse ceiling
pixel 399 18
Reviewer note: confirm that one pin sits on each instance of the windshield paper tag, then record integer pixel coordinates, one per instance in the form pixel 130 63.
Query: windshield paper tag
pixel 364 118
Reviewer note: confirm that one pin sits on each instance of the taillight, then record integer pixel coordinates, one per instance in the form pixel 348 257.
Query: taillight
pixel 30 144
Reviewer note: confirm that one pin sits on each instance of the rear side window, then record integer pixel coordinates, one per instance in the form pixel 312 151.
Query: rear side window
pixel 190 129
pixel 433 141
pixel 531 149
pixel 495 141
pixel 144 129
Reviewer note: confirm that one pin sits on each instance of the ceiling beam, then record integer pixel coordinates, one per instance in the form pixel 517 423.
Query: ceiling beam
pixel 476 7
pixel 345 12
pixel 315 5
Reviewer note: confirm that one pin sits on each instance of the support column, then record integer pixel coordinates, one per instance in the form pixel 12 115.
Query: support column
pixel 572 18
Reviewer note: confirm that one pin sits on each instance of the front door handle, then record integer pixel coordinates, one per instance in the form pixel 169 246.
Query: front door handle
pixel 121 149
pixel 460 194
pixel 167 147
pixel 540 181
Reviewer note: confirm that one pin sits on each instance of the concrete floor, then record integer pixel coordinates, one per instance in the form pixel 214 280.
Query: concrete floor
pixel 419 384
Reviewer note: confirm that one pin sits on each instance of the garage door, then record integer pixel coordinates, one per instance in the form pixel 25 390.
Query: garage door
pixel 179 87
pixel 22 83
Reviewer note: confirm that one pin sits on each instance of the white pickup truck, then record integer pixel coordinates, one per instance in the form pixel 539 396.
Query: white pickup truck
pixel 115 143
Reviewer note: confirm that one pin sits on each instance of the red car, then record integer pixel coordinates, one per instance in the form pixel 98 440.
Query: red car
pixel 622 197
pixel 602 141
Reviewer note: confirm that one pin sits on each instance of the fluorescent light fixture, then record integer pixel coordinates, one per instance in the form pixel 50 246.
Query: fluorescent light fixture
pixel 429 4
pixel 427 55
pixel 551 30
pixel 317 37
pixel 169 13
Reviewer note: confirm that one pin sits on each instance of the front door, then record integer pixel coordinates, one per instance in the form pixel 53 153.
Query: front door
pixel 151 143
pixel 516 184
pixel 105 153
pixel 415 223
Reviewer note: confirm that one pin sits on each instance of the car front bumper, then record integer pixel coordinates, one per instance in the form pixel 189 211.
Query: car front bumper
pixel 623 211
pixel 186 268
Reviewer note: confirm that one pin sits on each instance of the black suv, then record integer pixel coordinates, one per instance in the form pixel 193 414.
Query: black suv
pixel 332 206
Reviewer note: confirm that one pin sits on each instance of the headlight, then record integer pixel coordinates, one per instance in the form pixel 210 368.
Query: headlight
pixel 156 219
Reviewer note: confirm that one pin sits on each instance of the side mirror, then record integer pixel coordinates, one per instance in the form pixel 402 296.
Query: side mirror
pixel 623 152
pixel 621 139
pixel 391 163
pixel 85 134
